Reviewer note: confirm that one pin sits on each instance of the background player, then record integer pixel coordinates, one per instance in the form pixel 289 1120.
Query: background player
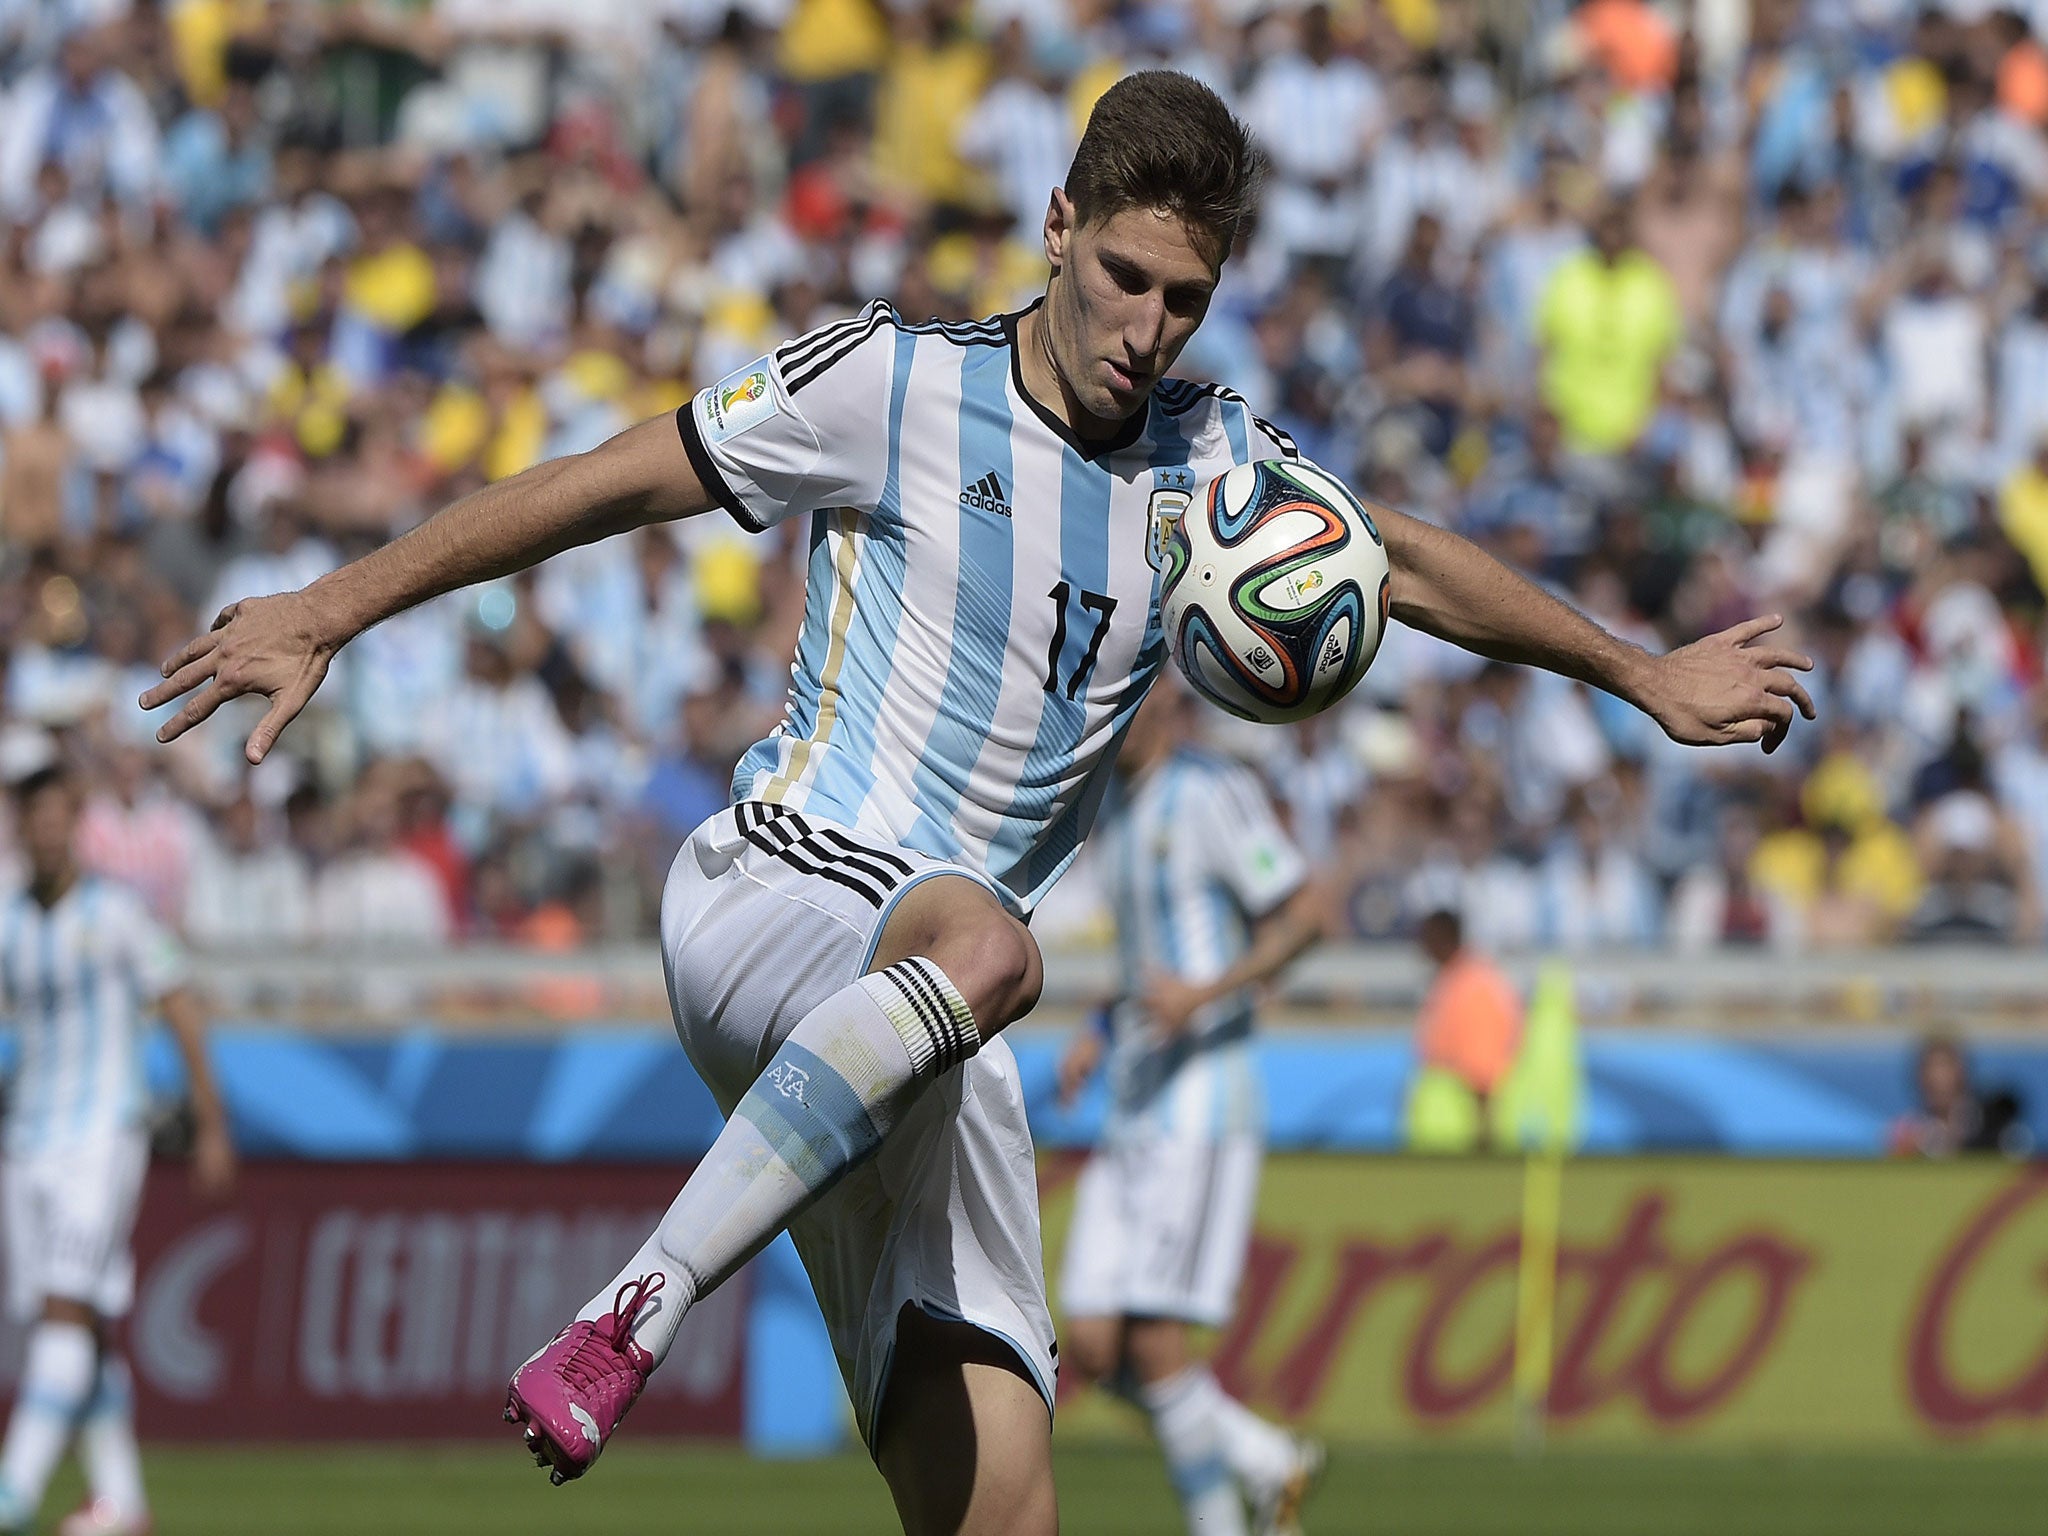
pixel 851 932
pixel 82 964
pixel 1210 899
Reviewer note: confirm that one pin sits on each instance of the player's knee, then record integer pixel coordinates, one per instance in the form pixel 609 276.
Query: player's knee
pixel 994 962
pixel 1093 1345
pixel 1157 1347
pixel 65 1309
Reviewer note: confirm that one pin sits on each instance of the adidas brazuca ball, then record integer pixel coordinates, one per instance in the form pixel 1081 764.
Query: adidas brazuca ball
pixel 1274 590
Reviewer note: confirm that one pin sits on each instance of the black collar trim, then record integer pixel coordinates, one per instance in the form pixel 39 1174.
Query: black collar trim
pixel 1127 434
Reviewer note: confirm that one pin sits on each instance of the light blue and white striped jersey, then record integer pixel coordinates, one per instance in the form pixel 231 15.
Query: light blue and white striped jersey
pixel 1192 858
pixel 77 981
pixel 981 619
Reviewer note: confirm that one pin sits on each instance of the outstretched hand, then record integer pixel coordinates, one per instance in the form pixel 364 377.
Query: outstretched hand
pixel 1728 687
pixel 271 646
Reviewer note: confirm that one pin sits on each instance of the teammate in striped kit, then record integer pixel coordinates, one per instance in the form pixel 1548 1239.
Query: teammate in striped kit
pixel 81 964
pixel 1211 899
pixel 845 943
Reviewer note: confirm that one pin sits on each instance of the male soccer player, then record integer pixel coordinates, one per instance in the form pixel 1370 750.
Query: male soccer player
pixel 844 943
pixel 81 965
pixel 1211 899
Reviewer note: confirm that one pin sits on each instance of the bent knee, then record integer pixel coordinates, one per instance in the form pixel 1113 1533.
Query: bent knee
pixel 1093 1346
pixel 984 951
pixel 1004 973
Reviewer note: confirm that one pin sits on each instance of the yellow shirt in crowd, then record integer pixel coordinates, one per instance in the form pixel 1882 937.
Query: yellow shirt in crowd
pixel 2023 514
pixel 926 94
pixel 1606 332
pixel 830 39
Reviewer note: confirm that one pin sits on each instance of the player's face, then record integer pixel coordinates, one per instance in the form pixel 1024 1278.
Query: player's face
pixel 1135 287
pixel 48 818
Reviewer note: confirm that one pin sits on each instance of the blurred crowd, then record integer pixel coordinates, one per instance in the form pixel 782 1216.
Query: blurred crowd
pixel 1691 310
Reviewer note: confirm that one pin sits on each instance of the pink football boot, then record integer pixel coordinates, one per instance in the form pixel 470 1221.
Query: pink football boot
pixel 572 1394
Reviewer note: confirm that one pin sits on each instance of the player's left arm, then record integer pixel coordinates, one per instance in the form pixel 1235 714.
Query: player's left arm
pixel 1254 859
pixel 213 1150
pixel 1733 686
pixel 1279 938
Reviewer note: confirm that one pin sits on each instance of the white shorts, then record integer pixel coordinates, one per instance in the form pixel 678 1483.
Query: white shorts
pixel 766 914
pixel 70 1212
pixel 1161 1224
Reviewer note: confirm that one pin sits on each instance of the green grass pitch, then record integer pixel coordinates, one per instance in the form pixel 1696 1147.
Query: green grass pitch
pixel 646 1490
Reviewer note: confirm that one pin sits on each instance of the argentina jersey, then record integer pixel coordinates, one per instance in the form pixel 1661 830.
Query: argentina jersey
pixel 981 613
pixel 77 981
pixel 1192 856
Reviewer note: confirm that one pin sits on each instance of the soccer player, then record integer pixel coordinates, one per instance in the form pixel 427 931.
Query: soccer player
pixel 81 966
pixel 845 943
pixel 1211 899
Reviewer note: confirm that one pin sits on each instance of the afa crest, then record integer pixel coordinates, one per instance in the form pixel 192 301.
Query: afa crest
pixel 1172 490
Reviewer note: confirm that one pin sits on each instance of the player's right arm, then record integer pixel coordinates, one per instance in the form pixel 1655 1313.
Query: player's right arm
pixel 281 646
pixel 802 428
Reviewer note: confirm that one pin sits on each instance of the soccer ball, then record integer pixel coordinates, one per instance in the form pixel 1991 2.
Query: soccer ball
pixel 1274 590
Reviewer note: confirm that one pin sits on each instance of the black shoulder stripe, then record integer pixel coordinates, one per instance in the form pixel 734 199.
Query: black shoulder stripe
pixel 843 348
pixel 794 354
pixel 818 362
pixel 959 330
pixel 1187 398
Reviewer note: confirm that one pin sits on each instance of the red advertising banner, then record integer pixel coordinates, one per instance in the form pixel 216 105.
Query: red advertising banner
pixel 372 1301
pixel 1699 1302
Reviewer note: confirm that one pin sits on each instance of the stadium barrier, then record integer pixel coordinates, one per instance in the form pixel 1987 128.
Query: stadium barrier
pixel 626 1092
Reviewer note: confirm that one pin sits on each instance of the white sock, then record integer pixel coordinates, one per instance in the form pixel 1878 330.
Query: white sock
pixel 1184 1423
pixel 1260 1454
pixel 56 1379
pixel 839 1083
pixel 106 1440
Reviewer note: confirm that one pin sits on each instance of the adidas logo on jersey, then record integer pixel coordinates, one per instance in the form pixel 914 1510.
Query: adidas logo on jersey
pixel 986 495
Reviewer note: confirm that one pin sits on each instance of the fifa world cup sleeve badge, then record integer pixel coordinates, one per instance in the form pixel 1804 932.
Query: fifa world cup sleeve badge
pixel 738 402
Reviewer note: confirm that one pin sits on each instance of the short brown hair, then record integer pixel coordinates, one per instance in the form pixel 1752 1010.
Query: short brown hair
pixel 1162 139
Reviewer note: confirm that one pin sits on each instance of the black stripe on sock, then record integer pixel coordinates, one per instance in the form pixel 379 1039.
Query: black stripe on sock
pixel 935 997
pixel 923 1016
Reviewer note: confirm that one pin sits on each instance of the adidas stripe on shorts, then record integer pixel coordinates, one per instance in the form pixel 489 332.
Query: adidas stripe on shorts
pixel 767 913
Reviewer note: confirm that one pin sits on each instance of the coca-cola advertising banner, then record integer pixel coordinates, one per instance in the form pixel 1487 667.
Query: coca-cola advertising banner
pixel 369 1301
pixel 1711 1303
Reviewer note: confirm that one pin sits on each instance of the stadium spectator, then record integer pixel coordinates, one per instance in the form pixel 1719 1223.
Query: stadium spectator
pixel 247 892
pixel 1952 1115
pixel 1608 320
pixel 1465 1041
pixel 1721 904
pixel 375 891
pixel 1315 109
